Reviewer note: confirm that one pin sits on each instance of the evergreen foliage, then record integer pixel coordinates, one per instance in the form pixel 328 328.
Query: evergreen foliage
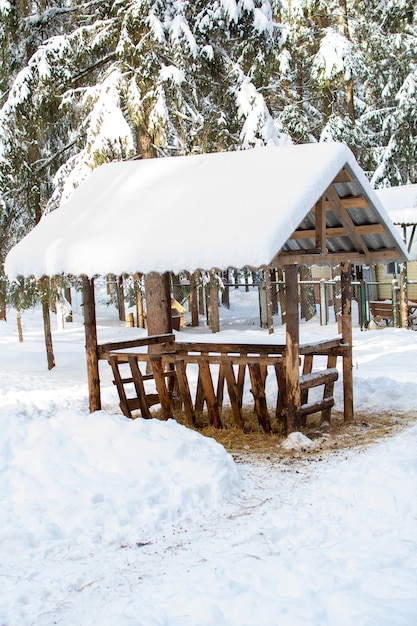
pixel 85 82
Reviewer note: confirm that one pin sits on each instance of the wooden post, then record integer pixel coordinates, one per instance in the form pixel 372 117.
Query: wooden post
pixel 281 295
pixel 201 294
pixel 194 300
pixel 158 304
pixel 214 319
pixel 337 298
pixel 140 317
pixel 292 351
pixel 269 304
pixel 403 297
pixel 346 297
pixel 226 289
pixel 121 299
pixel 90 329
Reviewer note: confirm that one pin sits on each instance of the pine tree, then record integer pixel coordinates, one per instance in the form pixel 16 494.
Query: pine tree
pixel 391 118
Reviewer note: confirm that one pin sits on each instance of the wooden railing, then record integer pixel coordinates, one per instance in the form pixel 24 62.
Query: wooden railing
pixel 221 368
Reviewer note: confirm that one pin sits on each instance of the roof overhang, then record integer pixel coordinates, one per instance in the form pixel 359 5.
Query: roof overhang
pixel 266 206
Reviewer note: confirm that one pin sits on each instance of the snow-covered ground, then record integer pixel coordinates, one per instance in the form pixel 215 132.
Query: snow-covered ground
pixel 112 522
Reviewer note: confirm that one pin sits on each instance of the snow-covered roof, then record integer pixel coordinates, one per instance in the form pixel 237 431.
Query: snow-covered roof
pixel 230 209
pixel 400 203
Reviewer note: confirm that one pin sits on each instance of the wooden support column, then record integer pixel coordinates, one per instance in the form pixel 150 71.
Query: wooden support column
pixel 90 329
pixel 347 292
pixel 403 297
pixel 269 305
pixel 140 313
pixel 214 319
pixel 194 300
pixel 292 351
pixel 121 299
pixel 158 304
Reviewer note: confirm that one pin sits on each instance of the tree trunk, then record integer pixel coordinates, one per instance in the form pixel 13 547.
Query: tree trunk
pixel 3 295
pixel 47 323
pixel 90 329
pixel 308 299
pixel 19 325
pixel 144 145
pixel 349 83
pixel 68 298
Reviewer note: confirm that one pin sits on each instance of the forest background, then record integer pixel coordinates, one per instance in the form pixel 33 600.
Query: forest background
pixel 83 83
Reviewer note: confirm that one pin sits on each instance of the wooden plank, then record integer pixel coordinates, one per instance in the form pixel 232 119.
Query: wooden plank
pixel 328 388
pixel 321 347
pixel 281 391
pixel 316 407
pixel 340 231
pixel 210 396
pixel 233 348
pixel 104 349
pixel 120 386
pixel 291 257
pixel 218 359
pixel 307 368
pixel 241 381
pixel 315 379
pixel 354 202
pixel 234 395
pixel 184 389
pixel 220 386
pixel 139 387
pixel 158 372
pixel 258 391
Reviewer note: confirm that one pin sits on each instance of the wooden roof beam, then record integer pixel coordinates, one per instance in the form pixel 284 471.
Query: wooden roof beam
pixel 339 231
pixel 350 202
pixel 288 257
pixel 346 221
pixel 343 176
pixel 320 231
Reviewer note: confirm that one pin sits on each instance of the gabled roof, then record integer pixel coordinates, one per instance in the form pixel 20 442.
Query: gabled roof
pixel 309 203
pixel 400 203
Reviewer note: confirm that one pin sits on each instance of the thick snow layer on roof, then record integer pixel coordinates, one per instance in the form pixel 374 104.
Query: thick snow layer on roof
pixel 400 203
pixel 207 211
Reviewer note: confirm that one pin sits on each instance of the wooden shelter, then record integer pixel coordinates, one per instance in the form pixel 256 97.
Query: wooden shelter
pixel 266 207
